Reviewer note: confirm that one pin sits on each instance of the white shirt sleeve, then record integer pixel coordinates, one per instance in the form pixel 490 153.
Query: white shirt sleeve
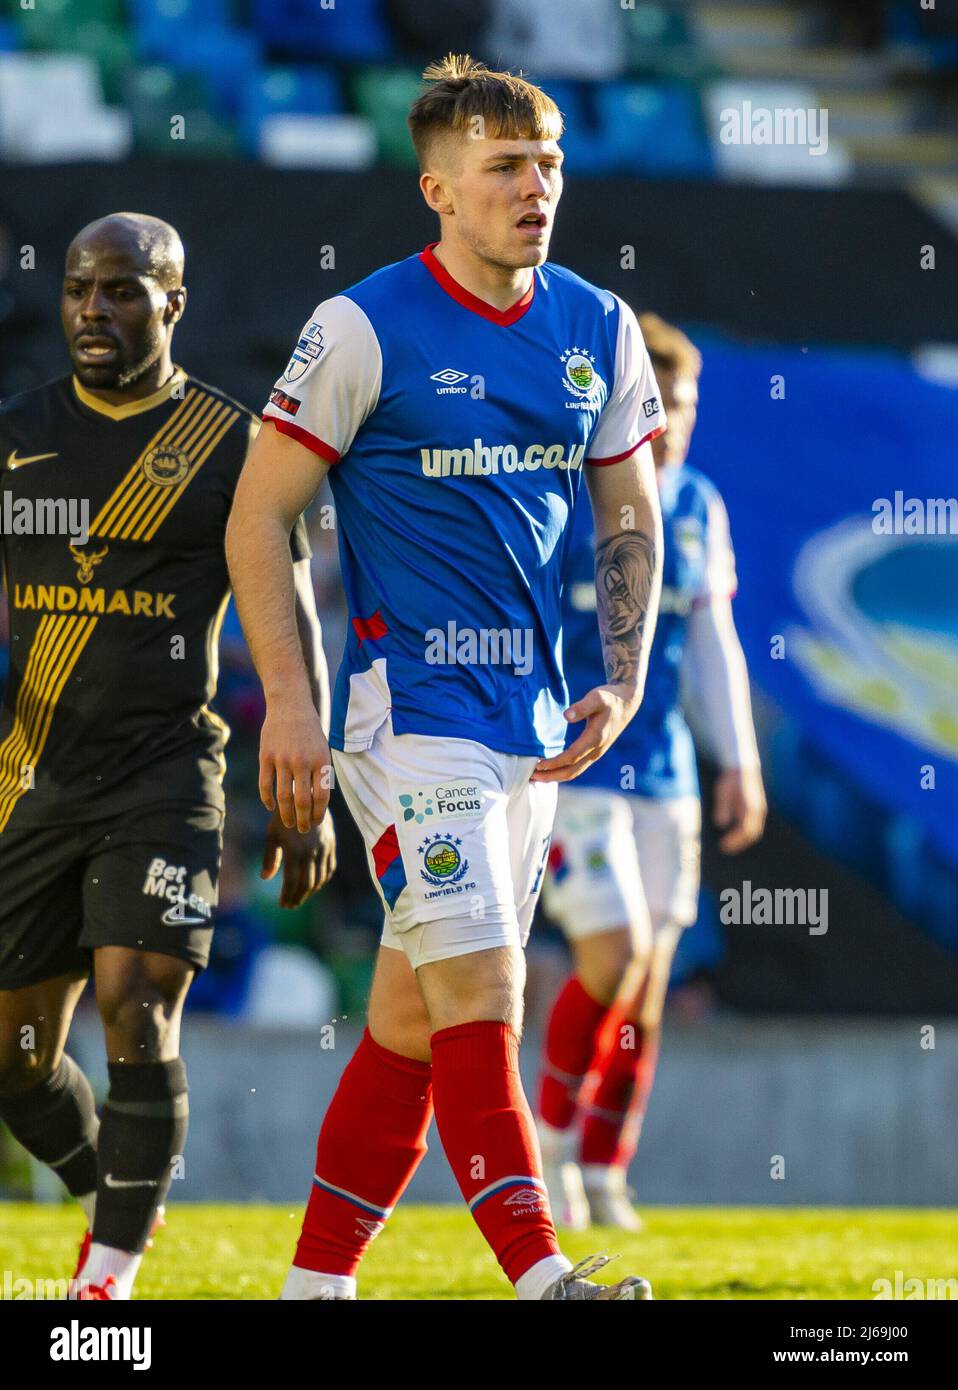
pixel 719 580
pixel 332 380
pixel 633 412
pixel 715 687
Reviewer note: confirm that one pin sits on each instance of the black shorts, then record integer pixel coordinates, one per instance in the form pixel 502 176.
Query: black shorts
pixel 147 879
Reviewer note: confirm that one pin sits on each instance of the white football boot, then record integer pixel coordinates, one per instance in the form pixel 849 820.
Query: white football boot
pixel 610 1201
pixel 576 1285
pixel 563 1177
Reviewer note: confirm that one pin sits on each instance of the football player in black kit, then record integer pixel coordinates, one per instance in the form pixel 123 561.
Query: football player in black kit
pixel 111 760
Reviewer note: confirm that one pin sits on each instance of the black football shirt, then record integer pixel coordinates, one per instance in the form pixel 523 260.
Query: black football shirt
pixel 112 526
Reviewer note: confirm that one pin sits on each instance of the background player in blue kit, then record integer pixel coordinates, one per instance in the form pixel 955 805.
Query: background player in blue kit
pixel 455 400
pixel 623 870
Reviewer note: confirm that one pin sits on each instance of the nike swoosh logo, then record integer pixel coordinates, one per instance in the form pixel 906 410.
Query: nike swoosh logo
pixel 172 918
pixel 121 1182
pixel 14 462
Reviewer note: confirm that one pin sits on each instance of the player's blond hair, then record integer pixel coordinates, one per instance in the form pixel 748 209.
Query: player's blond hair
pixel 468 99
pixel 669 348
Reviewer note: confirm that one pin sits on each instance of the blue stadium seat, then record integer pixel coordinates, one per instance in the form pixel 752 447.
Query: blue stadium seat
pixel 353 30
pixel 310 91
pixel 185 15
pixel 224 57
pixel 584 145
pixel 653 128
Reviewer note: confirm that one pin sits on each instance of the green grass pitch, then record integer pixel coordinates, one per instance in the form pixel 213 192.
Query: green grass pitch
pixel 242 1252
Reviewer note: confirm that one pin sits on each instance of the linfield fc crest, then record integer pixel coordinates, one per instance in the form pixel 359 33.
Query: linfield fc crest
pixel 306 352
pixel 579 376
pixel 166 466
pixel 442 860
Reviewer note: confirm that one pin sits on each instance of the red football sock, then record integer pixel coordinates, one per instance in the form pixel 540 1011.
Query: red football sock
pixel 371 1142
pixel 569 1045
pixel 487 1131
pixel 617 1094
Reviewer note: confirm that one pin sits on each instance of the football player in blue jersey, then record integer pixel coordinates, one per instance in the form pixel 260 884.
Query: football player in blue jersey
pixel 455 400
pixel 623 872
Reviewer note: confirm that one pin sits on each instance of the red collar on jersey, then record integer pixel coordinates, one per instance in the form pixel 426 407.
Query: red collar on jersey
pixel 504 317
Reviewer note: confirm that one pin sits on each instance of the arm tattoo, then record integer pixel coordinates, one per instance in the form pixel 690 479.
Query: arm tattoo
pixel 624 569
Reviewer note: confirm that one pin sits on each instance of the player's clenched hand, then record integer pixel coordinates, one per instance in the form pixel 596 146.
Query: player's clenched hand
pixel 309 861
pixel 606 709
pixel 739 808
pixel 294 754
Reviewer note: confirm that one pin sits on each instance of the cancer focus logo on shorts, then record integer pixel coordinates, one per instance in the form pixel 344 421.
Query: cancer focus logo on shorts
pixel 442 801
pixel 443 864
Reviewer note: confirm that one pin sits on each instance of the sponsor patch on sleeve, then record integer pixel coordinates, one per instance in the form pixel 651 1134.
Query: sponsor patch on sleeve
pixel 284 402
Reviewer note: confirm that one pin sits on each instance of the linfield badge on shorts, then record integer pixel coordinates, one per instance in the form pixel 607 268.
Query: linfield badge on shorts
pixel 442 860
pixel 307 351
pixel 439 801
pixel 166 465
pixel 580 379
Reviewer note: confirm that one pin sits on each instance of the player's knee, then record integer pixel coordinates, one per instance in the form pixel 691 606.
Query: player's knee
pixel 22 1068
pixel 604 966
pixel 138 1023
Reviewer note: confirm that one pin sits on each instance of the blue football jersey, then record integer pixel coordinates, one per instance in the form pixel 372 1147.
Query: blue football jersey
pixel 458 434
pixel 654 756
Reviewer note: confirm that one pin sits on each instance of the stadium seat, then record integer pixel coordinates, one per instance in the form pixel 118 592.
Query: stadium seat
pixel 186 14
pixel 312 91
pixel 223 56
pixel 51 109
pixel 53 16
pixel 317 142
pixel 653 128
pixel 383 96
pixel 584 144
pixel 107 44
pixel 656 34
pixel 730 110
pixel 152 93
pixel 355 32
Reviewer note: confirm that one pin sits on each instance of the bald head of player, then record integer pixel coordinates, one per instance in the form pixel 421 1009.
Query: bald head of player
pixel 123 294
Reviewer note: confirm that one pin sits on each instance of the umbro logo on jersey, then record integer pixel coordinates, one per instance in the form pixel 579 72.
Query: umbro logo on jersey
pixel 449 382
pixel 14 462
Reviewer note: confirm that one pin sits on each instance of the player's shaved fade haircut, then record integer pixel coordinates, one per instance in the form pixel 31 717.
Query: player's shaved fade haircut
pixel 155 243
pixel 470 100
pixel 669 348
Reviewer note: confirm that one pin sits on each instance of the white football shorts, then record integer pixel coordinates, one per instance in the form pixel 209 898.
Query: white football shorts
pixel 614 857
pixel 456 839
